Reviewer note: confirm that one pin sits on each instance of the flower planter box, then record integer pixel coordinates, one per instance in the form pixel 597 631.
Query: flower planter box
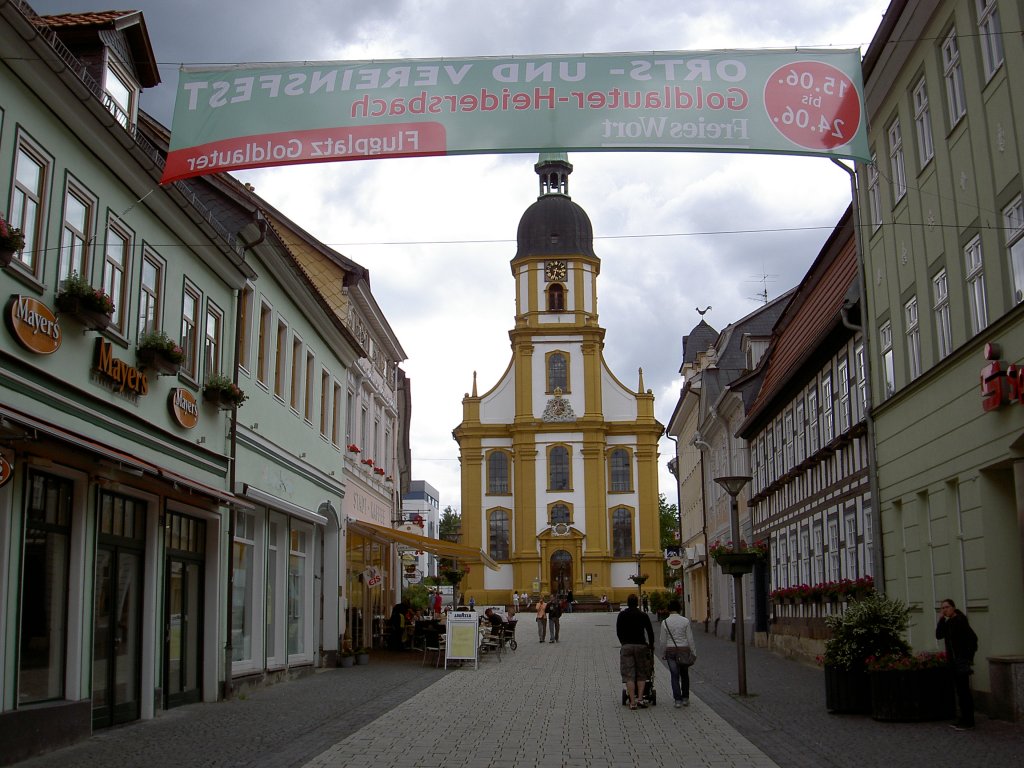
pixel 913 695
pixel 89 318
pixel 847 692
pixel 6 256
pixel 737 563
pixel 155 360
pixel 219 397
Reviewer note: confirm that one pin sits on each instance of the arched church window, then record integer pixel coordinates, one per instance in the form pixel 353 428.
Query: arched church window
pixel 556 298
pixel 497 472
pixel 498 534
pixel 558 372
pixel 558 468
pixel 620 470
pixel 622 533
pixel 560 514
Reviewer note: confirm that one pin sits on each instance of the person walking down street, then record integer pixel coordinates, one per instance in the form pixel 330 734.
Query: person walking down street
pixel 647 605
pixel 569 601
pixel 437 602
pixel 961 645
pixel 677 638
pixel 542 618
pixel 554 611
pixel 472 603
pixel 636 656
pixel 515 602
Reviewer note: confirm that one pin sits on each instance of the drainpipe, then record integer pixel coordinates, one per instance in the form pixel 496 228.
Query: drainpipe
pixel 232 474
pixel 878 563
pixel 702 446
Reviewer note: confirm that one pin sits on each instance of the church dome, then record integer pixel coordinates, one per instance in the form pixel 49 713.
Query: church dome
pixel 555 225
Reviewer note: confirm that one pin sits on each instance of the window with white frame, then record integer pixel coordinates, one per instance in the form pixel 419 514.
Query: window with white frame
pixel 827 414
pixel 1013 226
pixel 805 555
pixel 819 555
pixel 923 124
pixel 975 273
pixel 298 368
pixel 116 263
pixel 874 194
pixel 298 605
pixel 307 413
pixel 990 36
pixel 280 357
pixel 801 430
pixel 943 328
pixel 76 232
pixel 850 540
pixel 336 415
pixel 833 551
pixel 794 559
pixel 769 447
pixel 954 75
pixel 245 299
pixel 812 419
pixel 913 338
pixel 325 409
pixel 888 367
pixel 788 439
pixel 31 177
pixel 190 302
pixel 212 340
pixel 243 599
pixel 897 164
pixel 843 385
pixel 151 280
pixel 862 379
pixel 121 94
pixel 779 462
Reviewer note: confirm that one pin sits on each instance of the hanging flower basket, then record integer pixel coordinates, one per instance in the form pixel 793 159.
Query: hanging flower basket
pixel 11 242
pixel 223 392
pixel 158 352
pixel 639 579
pixel 738 560
pixel 91 307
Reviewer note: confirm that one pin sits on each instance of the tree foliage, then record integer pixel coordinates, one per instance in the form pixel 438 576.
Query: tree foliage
pixel 450 527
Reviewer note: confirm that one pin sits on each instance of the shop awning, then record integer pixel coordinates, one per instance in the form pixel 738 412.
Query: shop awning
pixel 436 546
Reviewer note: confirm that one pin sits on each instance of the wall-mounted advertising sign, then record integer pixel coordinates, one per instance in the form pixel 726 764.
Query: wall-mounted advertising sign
pixel 6 471
pixel 183 407
pixel 123 378
pixel 33 324
pixel 805 102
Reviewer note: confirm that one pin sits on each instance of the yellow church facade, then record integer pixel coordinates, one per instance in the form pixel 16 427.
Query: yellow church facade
pixel 559 458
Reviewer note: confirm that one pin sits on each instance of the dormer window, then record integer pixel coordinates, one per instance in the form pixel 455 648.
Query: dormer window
pixel 121 95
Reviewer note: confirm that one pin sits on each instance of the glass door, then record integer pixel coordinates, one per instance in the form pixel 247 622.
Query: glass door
pixel 117 623
pixel 183 620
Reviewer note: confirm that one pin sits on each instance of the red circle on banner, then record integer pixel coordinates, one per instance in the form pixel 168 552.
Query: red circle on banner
pixel 813 104
pixel 674 562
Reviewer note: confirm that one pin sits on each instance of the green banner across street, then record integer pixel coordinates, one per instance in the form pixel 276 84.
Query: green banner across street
pixel 804 102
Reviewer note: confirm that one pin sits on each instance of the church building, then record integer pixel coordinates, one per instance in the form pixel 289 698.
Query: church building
pixel 559 458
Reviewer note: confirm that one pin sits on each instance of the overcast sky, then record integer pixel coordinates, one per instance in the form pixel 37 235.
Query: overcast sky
pixel 674 231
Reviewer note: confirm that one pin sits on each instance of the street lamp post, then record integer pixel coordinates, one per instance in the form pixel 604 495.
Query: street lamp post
pixel 639 582
pixel 733 484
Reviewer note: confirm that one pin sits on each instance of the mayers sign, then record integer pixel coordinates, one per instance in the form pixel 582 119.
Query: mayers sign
pixel 1001 384
pixel 34 325
pixel 183 407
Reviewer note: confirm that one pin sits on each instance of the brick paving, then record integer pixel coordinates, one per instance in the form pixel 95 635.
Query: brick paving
pixel 545 705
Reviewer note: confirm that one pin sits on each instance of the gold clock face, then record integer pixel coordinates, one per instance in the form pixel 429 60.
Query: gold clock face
pixel 554 271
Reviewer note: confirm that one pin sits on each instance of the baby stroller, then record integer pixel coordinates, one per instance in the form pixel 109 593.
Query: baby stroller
pixel 510 635
pixel 647 694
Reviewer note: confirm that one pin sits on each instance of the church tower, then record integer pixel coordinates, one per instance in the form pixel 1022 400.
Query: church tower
pixel 559 458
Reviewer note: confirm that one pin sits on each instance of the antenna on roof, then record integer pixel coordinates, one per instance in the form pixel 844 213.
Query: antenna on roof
pixel 762 295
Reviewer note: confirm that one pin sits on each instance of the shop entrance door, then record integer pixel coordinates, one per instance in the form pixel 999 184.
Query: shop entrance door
pixel 183 628
pixel 118 611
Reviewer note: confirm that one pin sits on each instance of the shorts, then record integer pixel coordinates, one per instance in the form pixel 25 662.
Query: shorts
pixel 636 662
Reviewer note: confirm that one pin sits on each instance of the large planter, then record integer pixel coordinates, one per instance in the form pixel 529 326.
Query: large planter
pixel 737 563
pixel 362 658
pixel 847 692
pixel 913 695
pixel 73 307
pixel 155 360
pixel 348 661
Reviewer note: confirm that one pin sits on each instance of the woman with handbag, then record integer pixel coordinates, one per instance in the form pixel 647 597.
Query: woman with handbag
pixel 680 653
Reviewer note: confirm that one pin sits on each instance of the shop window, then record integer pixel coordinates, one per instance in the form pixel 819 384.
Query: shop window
pixel 243 599
pixel 297 591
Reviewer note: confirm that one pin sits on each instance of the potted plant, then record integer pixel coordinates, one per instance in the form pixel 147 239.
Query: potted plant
pixel 223 392
pixel 659 603
pixel 353 448
pixel 158 351
pixel 362 656
pixel 872 627
pixel 639 579
pixel 912 688
pixel 738 559
pixel 92 307
pixel 12 241
pixel 348 656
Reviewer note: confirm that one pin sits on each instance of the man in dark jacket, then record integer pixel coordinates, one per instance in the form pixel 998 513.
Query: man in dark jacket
pixel 636 657
pixel 961 645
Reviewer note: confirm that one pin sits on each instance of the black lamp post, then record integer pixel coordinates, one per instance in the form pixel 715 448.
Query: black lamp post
pixel 733 484
pixel 638 579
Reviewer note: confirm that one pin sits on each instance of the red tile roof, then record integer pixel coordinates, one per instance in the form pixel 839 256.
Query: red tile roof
pixel 87 19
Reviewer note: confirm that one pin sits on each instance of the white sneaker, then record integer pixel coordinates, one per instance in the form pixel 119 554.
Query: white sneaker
pixel 678 704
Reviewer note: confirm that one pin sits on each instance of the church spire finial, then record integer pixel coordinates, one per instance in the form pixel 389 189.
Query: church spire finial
pixel 640 386
pixel 474 384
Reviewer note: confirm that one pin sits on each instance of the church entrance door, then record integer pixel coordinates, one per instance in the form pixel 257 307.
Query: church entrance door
pixel 561 572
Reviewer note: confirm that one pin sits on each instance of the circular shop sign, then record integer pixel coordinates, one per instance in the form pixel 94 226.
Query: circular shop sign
pixel 674 562
pixel 34 325
pixel 183 407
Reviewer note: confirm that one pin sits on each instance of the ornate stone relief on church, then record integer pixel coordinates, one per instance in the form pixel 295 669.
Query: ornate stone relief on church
pixel 558 409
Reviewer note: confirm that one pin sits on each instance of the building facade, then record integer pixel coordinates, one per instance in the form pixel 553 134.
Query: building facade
pixel 559 458
pixel 810 496
pixel 421 513
pixel 942 233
